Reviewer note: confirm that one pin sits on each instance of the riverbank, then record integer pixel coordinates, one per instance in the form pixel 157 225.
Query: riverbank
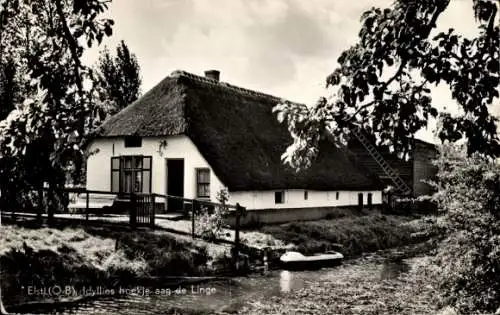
pixel 106 257
pixel 374 284
pixel 36 258
pixel 351 235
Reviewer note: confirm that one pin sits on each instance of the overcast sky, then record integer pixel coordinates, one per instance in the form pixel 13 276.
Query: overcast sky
pixel 282 47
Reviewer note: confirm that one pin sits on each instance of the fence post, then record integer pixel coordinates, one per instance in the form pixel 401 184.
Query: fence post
pixel 193 210
pixel 153 210
pixel 236 248
pixel 184 209
pixel 133 210
pixel 86 206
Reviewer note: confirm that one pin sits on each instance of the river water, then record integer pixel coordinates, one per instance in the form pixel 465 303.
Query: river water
pixel 223 295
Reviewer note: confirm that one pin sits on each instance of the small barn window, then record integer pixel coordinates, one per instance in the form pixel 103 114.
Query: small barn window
pixel 337 195
pixel 279 197
pixel 133 142
pixel 360 201
pixel 203 183
pixel 306 195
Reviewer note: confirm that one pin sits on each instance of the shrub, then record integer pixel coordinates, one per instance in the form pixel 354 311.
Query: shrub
pixel 468 260
pixel 209 224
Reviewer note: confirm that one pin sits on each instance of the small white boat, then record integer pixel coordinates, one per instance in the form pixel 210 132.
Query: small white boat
pixel 298 261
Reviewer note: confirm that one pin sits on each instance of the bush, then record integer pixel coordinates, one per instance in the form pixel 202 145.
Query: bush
pixel 209 224
pixel 468 260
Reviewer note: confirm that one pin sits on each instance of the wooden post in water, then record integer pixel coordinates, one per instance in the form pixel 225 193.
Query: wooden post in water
pixel 265 258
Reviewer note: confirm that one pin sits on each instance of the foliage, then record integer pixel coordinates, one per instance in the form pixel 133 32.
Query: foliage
pixel 41 140
pixel 9 87
pixel 209 224
pixel 468 261
pixel 382 84
pixel 118 79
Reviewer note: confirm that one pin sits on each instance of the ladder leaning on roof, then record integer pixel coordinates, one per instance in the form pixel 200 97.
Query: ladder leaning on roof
pixel 399 183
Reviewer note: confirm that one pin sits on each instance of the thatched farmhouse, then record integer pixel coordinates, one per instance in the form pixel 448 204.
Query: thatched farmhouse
pixel 192 136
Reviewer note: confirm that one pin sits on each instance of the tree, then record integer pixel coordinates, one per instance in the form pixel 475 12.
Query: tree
pixel 41 140
pixel 119 79
pixel 465 269
pixel 9 88
pixel 383 82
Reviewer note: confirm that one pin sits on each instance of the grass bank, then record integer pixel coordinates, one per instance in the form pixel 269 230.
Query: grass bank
pixel 353 234
pixel 93 257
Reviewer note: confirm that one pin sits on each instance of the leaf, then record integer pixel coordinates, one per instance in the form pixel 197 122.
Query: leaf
pixel 108 30
pixel 493 65
pixel 372 78
pixel 389 61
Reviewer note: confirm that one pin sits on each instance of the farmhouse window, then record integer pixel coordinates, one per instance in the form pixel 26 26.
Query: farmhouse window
pixel 279 197
pixel 306 195
pixel 203 183
pixel 337 195
pixel 369 200
pixel 133 142
pixel 131 174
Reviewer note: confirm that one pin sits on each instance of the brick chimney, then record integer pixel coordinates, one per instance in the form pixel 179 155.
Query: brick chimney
pixel 212 74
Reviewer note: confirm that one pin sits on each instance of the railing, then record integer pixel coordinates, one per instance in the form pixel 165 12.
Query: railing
pixel 142 208
pixel 187 207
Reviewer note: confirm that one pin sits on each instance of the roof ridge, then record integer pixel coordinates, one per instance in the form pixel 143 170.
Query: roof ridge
pixel 182 73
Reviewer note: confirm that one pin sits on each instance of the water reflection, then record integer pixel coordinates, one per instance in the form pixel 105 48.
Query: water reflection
pixel 393 269
pixel 229 295
pixel 285 281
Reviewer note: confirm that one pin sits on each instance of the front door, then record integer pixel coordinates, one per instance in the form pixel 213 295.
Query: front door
pixel 175 183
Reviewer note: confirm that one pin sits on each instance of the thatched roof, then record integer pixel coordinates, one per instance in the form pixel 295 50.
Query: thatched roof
pixel 236 132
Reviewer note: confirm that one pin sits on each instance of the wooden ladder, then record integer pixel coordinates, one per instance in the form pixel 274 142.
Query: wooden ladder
pixel 399 183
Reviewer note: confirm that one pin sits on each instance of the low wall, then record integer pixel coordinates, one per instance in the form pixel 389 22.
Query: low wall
pixel 276 216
